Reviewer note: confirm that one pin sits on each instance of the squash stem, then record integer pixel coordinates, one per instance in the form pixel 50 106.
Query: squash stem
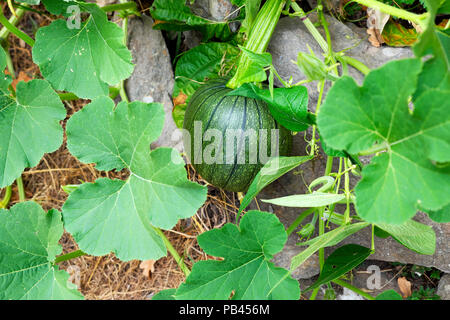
pixel 173 252
pixel 69 256
pixel 259 36
pixel 10 27
pixel 4 203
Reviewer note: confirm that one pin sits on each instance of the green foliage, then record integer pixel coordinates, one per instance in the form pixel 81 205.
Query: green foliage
pixel 413 235
pixel 29 127
pixel 339 262
pixel 86 60
pixel 246 269
pixel 28 247
pixel 116 215
pixel 271 171
pixel 377 113
pixel 174 15
pixel 205 61
pixel 424 294
pixel 289 106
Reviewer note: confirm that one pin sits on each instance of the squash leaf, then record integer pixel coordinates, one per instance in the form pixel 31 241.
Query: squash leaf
pixel 29 127
pixel 205 61
pixel 289 106
pixel 28 247
pixel 175 15
pixel 246 269
pixel 116 215
pixel 86 60
pixel 355 118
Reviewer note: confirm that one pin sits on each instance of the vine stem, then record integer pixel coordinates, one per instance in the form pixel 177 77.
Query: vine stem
pixel 319 102
pixel 173 252
pixel 13 20
pixel 21 189
pixel 122 91
pixel 353 288
pixel 70 255
pixel 393 11
pixel 5 201
pixel 13 29
pixel 310 26
pixel 355 64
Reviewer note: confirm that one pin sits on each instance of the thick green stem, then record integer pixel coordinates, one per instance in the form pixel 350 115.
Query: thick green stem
pixel 354 289
pixel 299 220
pixel 21 189
pixel 310 26
pixel 13 20
pixel 355 64
pixel 70 255
pixel 173 252
pixel 393 11
pixel 374 149
pixel 259 37
pixel 13 29
pixel 5 201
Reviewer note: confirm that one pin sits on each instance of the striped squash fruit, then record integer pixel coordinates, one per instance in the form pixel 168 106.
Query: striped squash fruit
pixel 229 138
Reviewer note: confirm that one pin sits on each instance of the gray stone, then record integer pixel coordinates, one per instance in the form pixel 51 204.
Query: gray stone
pixel 444 287
pixel 152 79
pixel 218 10
pixel 291 37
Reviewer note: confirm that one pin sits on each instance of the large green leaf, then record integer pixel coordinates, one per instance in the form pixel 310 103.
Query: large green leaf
pixel 85 60
pixel 246 269
pixel 341 261
pixel 403 177
pixel 289 106
pixel 29 127
pixel 272 170
pixel 116 215
pixel 28 247
pixel 413 235
pixel 328 239
pixel 175 15
pixel 204 61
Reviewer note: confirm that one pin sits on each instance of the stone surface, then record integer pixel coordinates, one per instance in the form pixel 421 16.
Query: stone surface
pixel 444 287
pixel 152 79
pixel 291 37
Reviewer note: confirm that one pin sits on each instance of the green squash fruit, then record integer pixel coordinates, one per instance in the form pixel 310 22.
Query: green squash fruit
pixel 229 138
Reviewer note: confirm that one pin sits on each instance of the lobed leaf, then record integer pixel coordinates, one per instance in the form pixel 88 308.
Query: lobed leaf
pixel 28 247
pixel 29 127
pixel 117 215
pixel 246 269
pixel 85 60
pixel 355 118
